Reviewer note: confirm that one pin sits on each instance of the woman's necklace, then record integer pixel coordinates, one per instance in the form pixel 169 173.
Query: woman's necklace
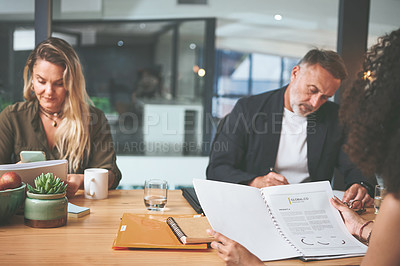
pixel 52 116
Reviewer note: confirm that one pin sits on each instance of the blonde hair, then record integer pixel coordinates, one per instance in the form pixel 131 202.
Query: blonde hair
pixel 72 137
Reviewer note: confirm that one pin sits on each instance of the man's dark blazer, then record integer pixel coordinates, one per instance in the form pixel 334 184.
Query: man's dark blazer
pixel 247 141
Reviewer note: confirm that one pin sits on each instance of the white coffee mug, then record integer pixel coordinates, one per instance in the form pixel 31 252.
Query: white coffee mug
pixel 96 183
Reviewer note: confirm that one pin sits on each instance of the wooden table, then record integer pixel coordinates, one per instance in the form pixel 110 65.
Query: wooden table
pixel 88 240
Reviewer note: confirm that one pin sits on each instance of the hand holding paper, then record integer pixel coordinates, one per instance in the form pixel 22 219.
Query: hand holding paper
pixel 279 222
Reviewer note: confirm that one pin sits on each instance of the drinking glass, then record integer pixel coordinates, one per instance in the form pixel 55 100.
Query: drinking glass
pixel 155 194
pixel 379 195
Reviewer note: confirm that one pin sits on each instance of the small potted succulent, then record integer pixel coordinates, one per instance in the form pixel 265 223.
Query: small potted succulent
pixel 46 204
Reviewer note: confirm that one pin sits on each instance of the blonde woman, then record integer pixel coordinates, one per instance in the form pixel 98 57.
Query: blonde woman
pixel 57 118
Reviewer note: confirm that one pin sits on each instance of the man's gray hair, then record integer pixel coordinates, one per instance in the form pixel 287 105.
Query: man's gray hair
pixel 329 60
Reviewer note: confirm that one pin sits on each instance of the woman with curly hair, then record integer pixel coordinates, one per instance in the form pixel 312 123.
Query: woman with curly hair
pixel 370 112
pixel 57 117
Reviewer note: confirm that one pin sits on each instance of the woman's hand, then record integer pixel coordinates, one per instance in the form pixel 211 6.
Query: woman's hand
pixel 75 182
pixel 352 220
pixel 232 252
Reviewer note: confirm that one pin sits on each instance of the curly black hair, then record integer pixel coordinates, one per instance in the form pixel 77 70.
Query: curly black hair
pixel 370 113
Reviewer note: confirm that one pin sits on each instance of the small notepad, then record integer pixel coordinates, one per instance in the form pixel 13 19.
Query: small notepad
pixel 190 230
pixel 77 211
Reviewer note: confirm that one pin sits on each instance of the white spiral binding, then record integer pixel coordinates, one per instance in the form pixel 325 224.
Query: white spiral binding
pixel 175 228
pixel 278 228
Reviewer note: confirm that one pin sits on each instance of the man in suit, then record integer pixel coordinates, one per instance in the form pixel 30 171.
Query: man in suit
pixel 289 135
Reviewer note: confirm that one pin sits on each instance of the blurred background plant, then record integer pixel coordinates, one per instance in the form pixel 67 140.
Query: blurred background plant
pixel 103 104
pixel 4 100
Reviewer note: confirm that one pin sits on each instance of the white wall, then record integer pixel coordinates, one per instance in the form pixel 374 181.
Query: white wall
pixel 178 171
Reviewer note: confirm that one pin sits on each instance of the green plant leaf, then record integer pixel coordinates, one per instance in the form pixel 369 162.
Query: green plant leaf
pixel 48 184
pixel 30 188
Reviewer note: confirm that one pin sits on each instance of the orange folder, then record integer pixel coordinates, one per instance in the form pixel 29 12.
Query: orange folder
pixel 149 231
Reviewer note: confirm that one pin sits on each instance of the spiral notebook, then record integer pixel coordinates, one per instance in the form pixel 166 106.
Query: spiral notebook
pixel 280 222
pixel 190 230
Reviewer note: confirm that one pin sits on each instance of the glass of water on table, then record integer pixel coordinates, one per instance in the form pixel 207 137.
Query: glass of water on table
pixel 155 194
pixel 380 192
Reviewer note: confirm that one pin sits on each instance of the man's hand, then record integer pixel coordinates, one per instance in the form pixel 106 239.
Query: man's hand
pixel 271 179
pixel 232 252
pixel 358 192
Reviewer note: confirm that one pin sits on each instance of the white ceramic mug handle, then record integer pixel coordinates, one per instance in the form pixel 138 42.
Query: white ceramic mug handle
pixel 91 192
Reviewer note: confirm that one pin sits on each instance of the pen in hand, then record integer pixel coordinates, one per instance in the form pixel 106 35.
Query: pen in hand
pixel 279 179
pixel 271 169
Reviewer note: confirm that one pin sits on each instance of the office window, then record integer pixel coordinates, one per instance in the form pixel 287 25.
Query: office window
pixel 288 64
pixel 232 73
pixel 148 77
pixel 266 73
pixel 16 42
pixel 242 74
pixel 383 19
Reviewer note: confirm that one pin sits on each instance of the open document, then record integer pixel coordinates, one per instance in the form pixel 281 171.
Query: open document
pixel 29 171
pixel 279 222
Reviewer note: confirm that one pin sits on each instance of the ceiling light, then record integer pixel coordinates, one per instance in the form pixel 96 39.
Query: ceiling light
pixel 120 43
pixel 278 17
pixel 201 72
pixel 192 46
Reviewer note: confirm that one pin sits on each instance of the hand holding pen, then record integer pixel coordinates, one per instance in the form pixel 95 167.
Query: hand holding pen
pixel 271 178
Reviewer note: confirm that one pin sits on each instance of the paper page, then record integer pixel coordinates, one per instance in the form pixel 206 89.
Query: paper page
pixel 339 194
pixel 32 165
pixel 239 212
pixel 72 208
pixel 308 219
pixel 29 171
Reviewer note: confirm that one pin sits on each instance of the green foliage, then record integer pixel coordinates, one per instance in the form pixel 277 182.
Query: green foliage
pixel 4 102
pixel 103 104
pixel 48 184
